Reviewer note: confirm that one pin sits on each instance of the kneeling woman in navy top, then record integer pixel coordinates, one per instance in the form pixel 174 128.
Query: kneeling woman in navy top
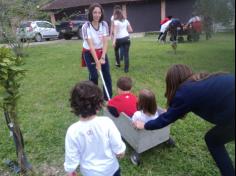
pixel 210 96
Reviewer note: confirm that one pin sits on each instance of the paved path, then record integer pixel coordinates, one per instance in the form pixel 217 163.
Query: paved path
pixel 45 42
pixel 133 35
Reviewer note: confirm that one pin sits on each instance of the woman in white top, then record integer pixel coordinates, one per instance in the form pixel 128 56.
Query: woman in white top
pixel 164 30
pixel 94 142
pixel 121 38
pixel 95 35
pixel 147 107
pixel 121 50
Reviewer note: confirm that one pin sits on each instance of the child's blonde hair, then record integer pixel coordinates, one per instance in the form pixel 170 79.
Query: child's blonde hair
pixel 147 101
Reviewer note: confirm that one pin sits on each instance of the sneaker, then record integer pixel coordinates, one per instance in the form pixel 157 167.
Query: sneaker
pixel 117 65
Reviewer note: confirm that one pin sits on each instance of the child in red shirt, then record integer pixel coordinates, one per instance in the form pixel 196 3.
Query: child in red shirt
pixel 125 101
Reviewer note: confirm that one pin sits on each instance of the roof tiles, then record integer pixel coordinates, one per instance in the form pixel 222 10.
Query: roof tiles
pixel 63 4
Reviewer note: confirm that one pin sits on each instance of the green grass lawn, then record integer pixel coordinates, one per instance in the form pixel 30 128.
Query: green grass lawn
pixel 45 115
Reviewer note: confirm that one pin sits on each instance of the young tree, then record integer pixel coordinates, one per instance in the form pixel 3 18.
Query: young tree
pixel 11 74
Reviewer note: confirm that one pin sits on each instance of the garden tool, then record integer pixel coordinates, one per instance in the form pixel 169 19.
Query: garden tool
pixel 104 84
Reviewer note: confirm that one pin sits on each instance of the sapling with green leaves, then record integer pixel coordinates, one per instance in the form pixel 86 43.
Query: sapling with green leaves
pixel 11 74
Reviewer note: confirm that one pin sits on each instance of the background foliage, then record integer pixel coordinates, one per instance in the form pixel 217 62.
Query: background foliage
pixel 12 12
pixel 221 11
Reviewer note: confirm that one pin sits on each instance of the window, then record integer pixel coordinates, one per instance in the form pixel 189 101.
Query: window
pixel 44 25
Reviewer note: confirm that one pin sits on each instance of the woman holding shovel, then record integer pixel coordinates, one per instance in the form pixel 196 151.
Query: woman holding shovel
pixel 94 56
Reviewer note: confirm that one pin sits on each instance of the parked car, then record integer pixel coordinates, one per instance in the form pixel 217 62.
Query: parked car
pixel 36 30
pixel 72 27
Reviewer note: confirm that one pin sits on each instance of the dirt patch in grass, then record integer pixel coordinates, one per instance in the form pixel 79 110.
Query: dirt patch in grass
pixel 43 170
pixel 50 170
pixel 4 173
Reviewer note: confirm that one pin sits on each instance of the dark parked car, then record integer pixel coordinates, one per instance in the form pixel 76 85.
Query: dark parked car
pixel 72 27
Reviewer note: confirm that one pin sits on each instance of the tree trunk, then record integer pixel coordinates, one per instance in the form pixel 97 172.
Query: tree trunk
pixel 19 142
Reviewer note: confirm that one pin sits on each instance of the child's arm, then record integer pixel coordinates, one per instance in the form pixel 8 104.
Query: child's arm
pixel 117 145
pixel 136 116
pixel 72 153
pixel 113 111
pixel 121 155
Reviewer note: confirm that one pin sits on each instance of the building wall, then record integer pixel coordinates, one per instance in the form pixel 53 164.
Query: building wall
pixel 108 10
pixel 140 15
pixel 144 16
pixel 181 9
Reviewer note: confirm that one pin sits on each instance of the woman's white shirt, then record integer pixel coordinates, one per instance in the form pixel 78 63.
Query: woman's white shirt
pixel 89 32
pixel 112 18
pixel 93 145
pixel 141 116
pixel 122 28
pixel 165 26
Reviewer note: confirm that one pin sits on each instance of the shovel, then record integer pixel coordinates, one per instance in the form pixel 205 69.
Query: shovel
pixel 104 84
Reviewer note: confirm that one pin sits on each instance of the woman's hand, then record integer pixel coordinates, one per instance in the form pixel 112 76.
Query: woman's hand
pixel 98 65
pixel 114 44
pixel 103 60
pixel 138 124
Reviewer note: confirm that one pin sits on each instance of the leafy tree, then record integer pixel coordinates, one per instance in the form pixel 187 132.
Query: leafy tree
pixel 11 72
pixel 7 31
pixel 11 14
pixel 29 9
pixel 221 11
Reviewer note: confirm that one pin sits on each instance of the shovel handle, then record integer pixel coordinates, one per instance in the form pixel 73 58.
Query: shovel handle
pixel 104 84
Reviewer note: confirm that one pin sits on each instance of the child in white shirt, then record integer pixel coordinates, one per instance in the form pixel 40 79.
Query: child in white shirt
pixel 147 107
pixel 93 142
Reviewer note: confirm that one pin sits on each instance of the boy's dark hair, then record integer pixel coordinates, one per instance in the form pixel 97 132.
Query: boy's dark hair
pixel 124 83
pixel 90 12
pixel 86 99
pixel 147 101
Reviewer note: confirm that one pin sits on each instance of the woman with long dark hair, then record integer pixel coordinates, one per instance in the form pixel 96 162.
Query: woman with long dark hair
pixel 210 96
pixel 95 35
pixel 121 38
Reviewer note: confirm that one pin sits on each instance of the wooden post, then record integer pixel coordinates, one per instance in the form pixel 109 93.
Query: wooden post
pixel 53 19
pixel 163 9
pixel 124 9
